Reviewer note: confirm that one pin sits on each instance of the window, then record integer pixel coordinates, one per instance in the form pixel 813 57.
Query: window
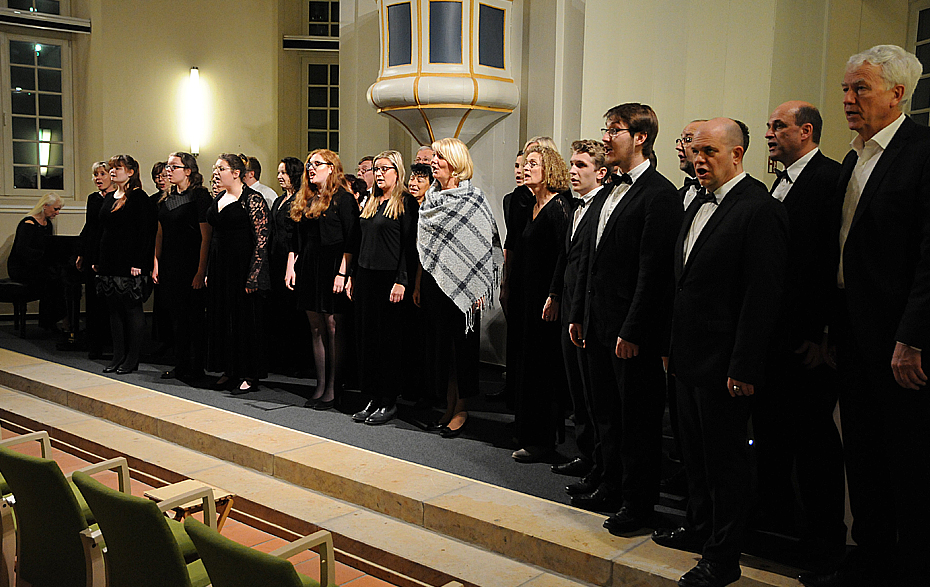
pixel 920 102
pixel 490 36
pixel 37 141
pixel 399 41
pixel 322 100
pixel 44 6
pixel 445 32
pixel 323 18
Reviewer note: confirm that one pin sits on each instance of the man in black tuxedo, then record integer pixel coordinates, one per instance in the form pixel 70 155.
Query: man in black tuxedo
pixel 729 268
pixel 586 171
pixel 884 322
pixel 686 162
pixel 802 389
pixel 620 315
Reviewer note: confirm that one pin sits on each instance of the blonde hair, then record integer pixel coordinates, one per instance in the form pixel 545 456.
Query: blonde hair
pixel 98 165
pixel 542 141
pixel 49 198
pixel 456 154
pixel 395 205
pixel 311 201
pixel 555 172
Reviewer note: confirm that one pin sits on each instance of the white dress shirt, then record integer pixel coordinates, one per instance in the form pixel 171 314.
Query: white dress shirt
pixel 616 196
pixel 869 152
pixel 582 208
pixel 793 171
pixel 707 210
pixel 689 195
pixel 269 194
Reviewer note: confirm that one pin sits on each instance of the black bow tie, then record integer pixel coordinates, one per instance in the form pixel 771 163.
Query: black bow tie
pixel 782 176
pixel 616 180
pixel 703 196
pixel 692 181
pixel 579 203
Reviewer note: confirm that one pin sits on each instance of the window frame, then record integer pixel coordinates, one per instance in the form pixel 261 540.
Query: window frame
pixel 63 5
pixel 67 110
pixel 305 15
pixel 916 8
pixel 316 58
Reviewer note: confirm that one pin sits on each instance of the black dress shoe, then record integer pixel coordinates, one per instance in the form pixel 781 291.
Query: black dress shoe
pixel 173 374
pixel 435 427
pixel 368 410
pixel 600 500
pixel 582 486
pixel 124 370
pixel 223 383
pixel 710 574
pixel 626 521
pixel 447 432
pixel 577 467
pixel 847 577
pixel 382 415
pixel 680 538
pixel 111 368
pixel 252 386
pixel 322 406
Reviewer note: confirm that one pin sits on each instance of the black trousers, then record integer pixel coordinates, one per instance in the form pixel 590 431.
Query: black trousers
pixel 184 308
pixel 794 429
pixel 628 400
pixel 713 433
pixel 95 315
pixel 579 388
pixel 449 349
pixel 379 327
pixel 127 326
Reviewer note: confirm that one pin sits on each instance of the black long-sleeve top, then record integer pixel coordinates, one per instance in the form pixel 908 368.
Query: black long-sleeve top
pixel 126 235
pixel 385 244
pixel 90 234
pixel 28 260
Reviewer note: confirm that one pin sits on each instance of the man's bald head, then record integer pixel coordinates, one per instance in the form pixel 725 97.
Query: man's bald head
pixel 718 152
pixel 793 130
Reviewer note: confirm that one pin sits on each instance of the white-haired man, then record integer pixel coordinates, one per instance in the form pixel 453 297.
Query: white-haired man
pixel 884 321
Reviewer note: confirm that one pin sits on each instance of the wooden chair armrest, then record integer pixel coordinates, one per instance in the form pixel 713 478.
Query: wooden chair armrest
pixel 327 554
pixel 119 465
pixel 92 540
pixel 204 493
pixel 453 584
pixel 41 436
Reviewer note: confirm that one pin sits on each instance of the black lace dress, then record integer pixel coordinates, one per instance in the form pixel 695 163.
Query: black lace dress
pixel 238 261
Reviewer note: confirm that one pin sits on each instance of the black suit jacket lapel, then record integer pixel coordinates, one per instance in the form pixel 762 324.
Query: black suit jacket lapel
pixel 723 208
pixel 686 223
pixel 628 197
pixel 799 186
pixel 881 168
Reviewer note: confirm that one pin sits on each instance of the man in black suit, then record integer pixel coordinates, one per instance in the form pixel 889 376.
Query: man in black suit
pixel 586 171
pixel 802 389
pixel 729 268
pixel 620 315
pixel 686 162
pixel 884 322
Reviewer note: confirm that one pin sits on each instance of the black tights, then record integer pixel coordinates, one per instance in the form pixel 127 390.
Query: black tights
pixel 127 324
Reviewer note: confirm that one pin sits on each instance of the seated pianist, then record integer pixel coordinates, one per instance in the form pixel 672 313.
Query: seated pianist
pixel 32 263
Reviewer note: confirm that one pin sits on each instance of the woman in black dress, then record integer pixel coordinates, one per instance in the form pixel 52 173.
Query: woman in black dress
pixel 97 323
pixel 326 214
pixel 538 369
pixel 182 246
pixel 383 262
pixel 124 262
pixel 237 279
pixel 285 322
pixel 29 261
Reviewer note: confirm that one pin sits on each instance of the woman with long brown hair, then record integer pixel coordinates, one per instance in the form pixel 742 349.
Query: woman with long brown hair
pixel 326 214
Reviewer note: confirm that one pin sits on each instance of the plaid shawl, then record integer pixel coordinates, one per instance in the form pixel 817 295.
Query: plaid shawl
pixel 460 247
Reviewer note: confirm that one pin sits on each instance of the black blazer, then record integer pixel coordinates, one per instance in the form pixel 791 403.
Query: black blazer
pixel 728 295
pixel 886 260
pixel 624 286
pixel 811 204
pixel 571 255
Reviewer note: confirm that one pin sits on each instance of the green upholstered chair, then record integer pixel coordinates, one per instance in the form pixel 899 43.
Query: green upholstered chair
pixel 56 544
pixel 231 564
pixel 144 548
pixel 7 521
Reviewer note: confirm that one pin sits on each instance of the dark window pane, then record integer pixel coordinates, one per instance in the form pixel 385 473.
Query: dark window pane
pixel 333 12
pixel 23 78
pixel 26 178
pixel 923 53
pixel 55 155
pixel 319 30
pixel 334 141
pixel 921 97
pixel 334 30
pixel 23 102
pixel 50 130
pixel 316 97
pixel 20 4
pixel 316 119
pixel 319 11
pixel 50 80
pixel 334 120
pixel 22 52
pixel 490 36
pixel 50 104
pixel 316 75
pixel 25 153
pixel 316 140
pixel 922 118
pixel 334 75
pixel 399 40
pixel 48 55
pixel 334 97
pixel 445 32
pixel 24 128
pixel 48 6
pixel 54 178
pixel 923 25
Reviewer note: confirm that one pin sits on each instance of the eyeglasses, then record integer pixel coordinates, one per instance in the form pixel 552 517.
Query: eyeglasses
pixel 383 169
pixel 684 141
pixel 615 131
pixel 311 165
pixel 532 164
pixel 220 169
pixel 363 170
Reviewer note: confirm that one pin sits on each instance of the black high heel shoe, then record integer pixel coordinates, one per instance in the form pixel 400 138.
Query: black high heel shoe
pixel 112 367
pixel 447 432
pixel 239 390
